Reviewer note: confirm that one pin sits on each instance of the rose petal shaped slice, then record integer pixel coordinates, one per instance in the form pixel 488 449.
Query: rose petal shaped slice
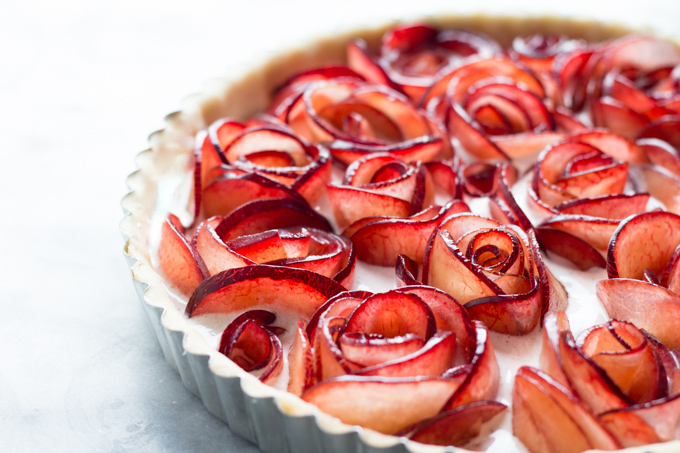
pixel 232 190
pixel 595 231
pixel 248 345
pixel 617 206
pixel 425 149
pixel 433 359
pixel 300 361
pixel 450 316
pixel 643 241
pixel 666 128
pixel 516 314
pixel 568 246
pixel 263 215
pixel 280 288
pixel 660 183
pixel 368 351
pixel 261 317
pixel 382 241
pixel 361 60
pixel 351 204
pixel 216 254
pixel 589 381
pixel 549 419
pixel 628 359
pixel 482 374
pixel 661 153
pixel 616 146
pixel 650 307
pixel 387 405
pixel 470 138
pixel 392 314
pixel 182 265
pixel 617 117
pixel 458 426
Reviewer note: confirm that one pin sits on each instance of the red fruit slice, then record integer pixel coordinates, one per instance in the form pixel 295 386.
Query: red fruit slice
pixel 449 316
pixel 387 405
pixel 510 314
pixel 407 271
pixel 458 426
pixel 392 314
pixel 261 317
pixel 252 140
pixel 479 179
pixel 618 117
pixel 503 206
pixel 263 215
pixel 642 242
pixel 445 265
pixel 351 204
pixel 554 326
pixel 665 128
pixel 660 183
pixel 546 417
pixel 288 91
pixel 470 138
pixel 624 353
pixel 588 380
pixel 432 360
pixel 595 231
pixel 215 253
pixel 340 305
pixel 300 361
pixel 233 189
pixel 648 306
pixel 249 345
pixel 328 359
pixel 381 241
pixel 360 59
pixel 618 206
pixel 180 263
pixel 370 350
pixel 613 145
pixel 568 246
pixel 661 153
pixel 628 428
pixel 467 75
pixel 645 424
pixel 281 288
pixel 424 149
pixel 482 375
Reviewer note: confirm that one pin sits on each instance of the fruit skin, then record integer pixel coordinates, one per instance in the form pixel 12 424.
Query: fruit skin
pixel 285 288
pixel 615 374
pixel 548 418
pixel 458 426
pixel 513 294
pixel 387 405
pixel 645 245
pixel 179 260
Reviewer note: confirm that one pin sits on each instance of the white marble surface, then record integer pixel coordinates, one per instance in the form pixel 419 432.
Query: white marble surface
pixel 82 84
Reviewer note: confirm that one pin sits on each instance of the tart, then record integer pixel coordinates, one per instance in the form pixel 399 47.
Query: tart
pixel 438 292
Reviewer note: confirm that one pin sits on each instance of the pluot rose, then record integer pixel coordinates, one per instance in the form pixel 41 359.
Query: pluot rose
pixel 617 386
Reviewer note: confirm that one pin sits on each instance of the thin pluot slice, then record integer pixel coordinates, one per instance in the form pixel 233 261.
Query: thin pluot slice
pixel 648 306
pixel 233 290
pixel 458 426
pixel 180 263
pixel 387 405
pixel 547 418
pixel 261 215
pixel 643 241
